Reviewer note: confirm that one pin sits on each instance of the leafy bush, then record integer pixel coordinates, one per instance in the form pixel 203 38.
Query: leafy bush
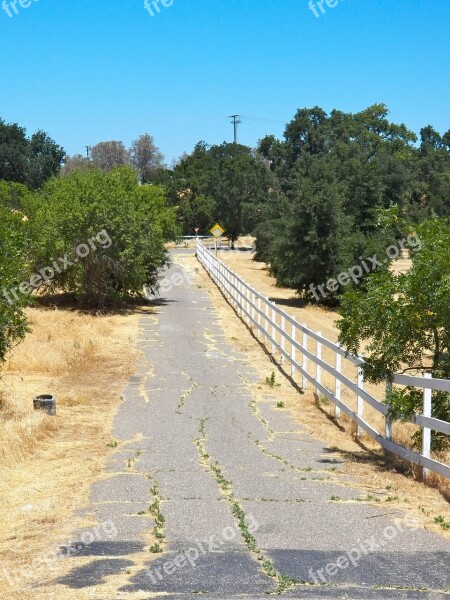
pixel 104 232
pixel 14 269
pixel 12 195
pixel 406 317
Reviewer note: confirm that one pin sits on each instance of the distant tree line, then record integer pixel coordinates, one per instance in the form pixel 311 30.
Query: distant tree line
pixel 143 155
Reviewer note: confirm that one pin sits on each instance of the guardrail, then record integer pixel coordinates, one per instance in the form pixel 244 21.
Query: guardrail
pixel 282 333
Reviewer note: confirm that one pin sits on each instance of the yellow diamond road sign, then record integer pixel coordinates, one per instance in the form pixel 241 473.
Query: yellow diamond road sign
pixel 217 230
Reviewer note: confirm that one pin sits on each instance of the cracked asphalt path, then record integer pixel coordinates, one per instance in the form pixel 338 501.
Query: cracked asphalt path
pixel 242 500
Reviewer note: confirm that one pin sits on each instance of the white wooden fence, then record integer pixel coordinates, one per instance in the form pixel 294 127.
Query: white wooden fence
pixel 282 334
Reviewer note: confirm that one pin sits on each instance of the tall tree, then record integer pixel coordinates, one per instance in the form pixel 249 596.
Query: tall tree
pixel 146 157
pixel 108 155
pixel 431 173
pixel 77 162
pixel 29 161
pixel 13 152
pixel 224 183
pixel 335 172
pixel 44 161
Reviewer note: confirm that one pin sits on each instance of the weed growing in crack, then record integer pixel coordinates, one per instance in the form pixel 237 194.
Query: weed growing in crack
pixel 155 510
pixel 282 581
pixel 255 410
pixel 184 396
pixel 279 458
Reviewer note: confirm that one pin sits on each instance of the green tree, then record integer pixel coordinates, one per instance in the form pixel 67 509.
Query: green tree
pixel 431 172
pixel 14 269
pixel 44 159
pixel 121 226
pixel 13 152
pixel 334 173
pixel 406 319
pixel 224 183
pixel 28 161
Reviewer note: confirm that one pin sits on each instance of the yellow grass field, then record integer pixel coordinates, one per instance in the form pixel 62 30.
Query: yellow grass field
pixel 48 464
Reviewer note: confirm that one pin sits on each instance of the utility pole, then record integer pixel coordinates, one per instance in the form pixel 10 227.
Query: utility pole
pixel 236 121
pixel 88 149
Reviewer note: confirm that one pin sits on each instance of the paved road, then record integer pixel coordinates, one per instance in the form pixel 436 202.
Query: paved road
pixel 243 500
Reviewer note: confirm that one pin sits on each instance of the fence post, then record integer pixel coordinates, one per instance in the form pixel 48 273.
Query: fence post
pixel 388 418
pixel 360 401
pixel 266 322
pixel 426 435
pixel 283 338
pixel 240 299
pixel 274 331
pixel 293 348
pixel 259 318
pixel 338 386
pixel 253 308
pixel 318 367
pixel 305 359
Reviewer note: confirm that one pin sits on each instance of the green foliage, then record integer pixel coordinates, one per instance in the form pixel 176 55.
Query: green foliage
pixel 223 183
pixel 442 522
pixel 132 220
pixel 13 195
pixel 335 173
pixel 406 317
pixel 271 381
pixel 30 161
pixel 14 269
pixel 431 172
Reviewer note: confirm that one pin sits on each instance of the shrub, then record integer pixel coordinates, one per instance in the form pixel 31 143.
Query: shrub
pixel 104 231
pixel 406 317
pixel 14 269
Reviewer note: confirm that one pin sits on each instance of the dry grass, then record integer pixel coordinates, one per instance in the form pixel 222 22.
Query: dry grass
pixel 49 463
pixel 366 460
pixel 63 346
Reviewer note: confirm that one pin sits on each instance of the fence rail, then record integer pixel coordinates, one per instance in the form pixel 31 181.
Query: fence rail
pixel 283 334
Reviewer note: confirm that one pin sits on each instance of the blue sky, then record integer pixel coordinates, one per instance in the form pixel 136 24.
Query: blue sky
pixel 92 70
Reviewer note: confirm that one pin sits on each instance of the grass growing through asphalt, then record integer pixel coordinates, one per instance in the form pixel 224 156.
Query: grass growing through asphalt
pixel 155 511
pixel 184 396
pixel 282 582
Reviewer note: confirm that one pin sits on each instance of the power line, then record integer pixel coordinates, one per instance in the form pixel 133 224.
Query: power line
pixel 261 119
